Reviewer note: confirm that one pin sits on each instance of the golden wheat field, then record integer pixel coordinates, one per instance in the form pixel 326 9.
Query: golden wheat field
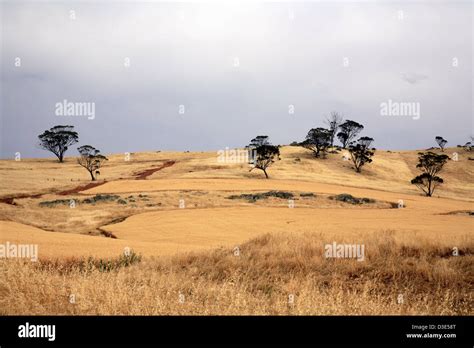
pixel 213 238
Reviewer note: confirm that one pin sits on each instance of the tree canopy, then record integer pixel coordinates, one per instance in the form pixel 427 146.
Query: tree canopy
pixel 441 142
pixel 91 159
pixel 430 164
pixel 361 153
pixel 264 155
pixel 318 140
pixel 333 121
pixel 58 139
pixel 259 140
pixel 348 131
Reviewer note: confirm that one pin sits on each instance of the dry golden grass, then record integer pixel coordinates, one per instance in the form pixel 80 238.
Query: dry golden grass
pixel 189 251
pixel 269 270
pixel 390 171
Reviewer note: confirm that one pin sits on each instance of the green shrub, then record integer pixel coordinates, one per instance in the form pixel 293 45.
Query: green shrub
pixel 56 202
pixel 110 265
pixel 253 197
pixel 100 198
pixel 347 198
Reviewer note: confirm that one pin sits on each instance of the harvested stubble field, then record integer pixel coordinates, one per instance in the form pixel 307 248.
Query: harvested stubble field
pixel 209 247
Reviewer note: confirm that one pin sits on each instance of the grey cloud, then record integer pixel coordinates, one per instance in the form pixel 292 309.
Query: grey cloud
pixel 414 78
pixel 188 59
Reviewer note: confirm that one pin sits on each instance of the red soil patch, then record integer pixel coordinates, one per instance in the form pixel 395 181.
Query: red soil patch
pixel 107 234
pixel 81 188
pixel 138 176
pixel 11 199
pixel 146 173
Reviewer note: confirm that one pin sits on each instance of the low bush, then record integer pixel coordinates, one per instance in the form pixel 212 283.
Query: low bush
pixel 55 203
pixel 347 198
pixel 90 264
pixel 253 197
pixel 100 198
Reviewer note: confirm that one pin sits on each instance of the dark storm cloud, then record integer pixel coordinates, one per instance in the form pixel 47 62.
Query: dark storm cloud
pixel 235 68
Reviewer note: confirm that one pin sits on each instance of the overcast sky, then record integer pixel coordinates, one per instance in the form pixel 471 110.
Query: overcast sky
pixel 236 67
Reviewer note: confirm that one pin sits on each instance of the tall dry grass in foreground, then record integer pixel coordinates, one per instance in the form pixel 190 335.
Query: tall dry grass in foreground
pixel 261 280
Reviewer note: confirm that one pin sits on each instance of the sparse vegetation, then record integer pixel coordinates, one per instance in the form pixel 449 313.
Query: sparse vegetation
pixel 430 164
pixel 269 268
pixel 257 282
pixel 347 198
pixel 58 139
pixel 90 264
pixel 91 159
pixel 333 121
pixel 441 142
pixel 264 154
pixel 348 131
pixel 99 198
pixel 253 197
pixel 55 202
pixel 259 140
pixel 468 146
pixel 361 153
pixel 318 140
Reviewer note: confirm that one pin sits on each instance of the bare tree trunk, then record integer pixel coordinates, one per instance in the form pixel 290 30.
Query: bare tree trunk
pixel 92 175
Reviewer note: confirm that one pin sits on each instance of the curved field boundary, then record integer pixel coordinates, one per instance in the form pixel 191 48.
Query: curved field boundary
pixel 138 176
pixel 146 173
pixel 214 227
pixel 410 201
pixel 53 245
pixel 81 188
pixel 11 199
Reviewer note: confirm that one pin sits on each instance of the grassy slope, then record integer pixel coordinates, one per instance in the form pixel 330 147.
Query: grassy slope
pixel 408 250
pixel 205 184
pixel 270 270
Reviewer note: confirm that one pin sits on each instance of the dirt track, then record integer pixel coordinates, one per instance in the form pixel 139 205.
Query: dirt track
pixel 146 173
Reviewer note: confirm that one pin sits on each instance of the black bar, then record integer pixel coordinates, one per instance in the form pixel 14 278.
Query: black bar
pixel 320 330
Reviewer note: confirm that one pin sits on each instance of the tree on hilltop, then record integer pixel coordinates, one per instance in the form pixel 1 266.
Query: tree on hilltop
pixel 430 164
pixel 91 159
pixel 333 121
pixel 263 154
pixel 441 142
pixel 361 153
pixel 259 140
pixel 58 139
pixel 318 140
pixel 348 131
